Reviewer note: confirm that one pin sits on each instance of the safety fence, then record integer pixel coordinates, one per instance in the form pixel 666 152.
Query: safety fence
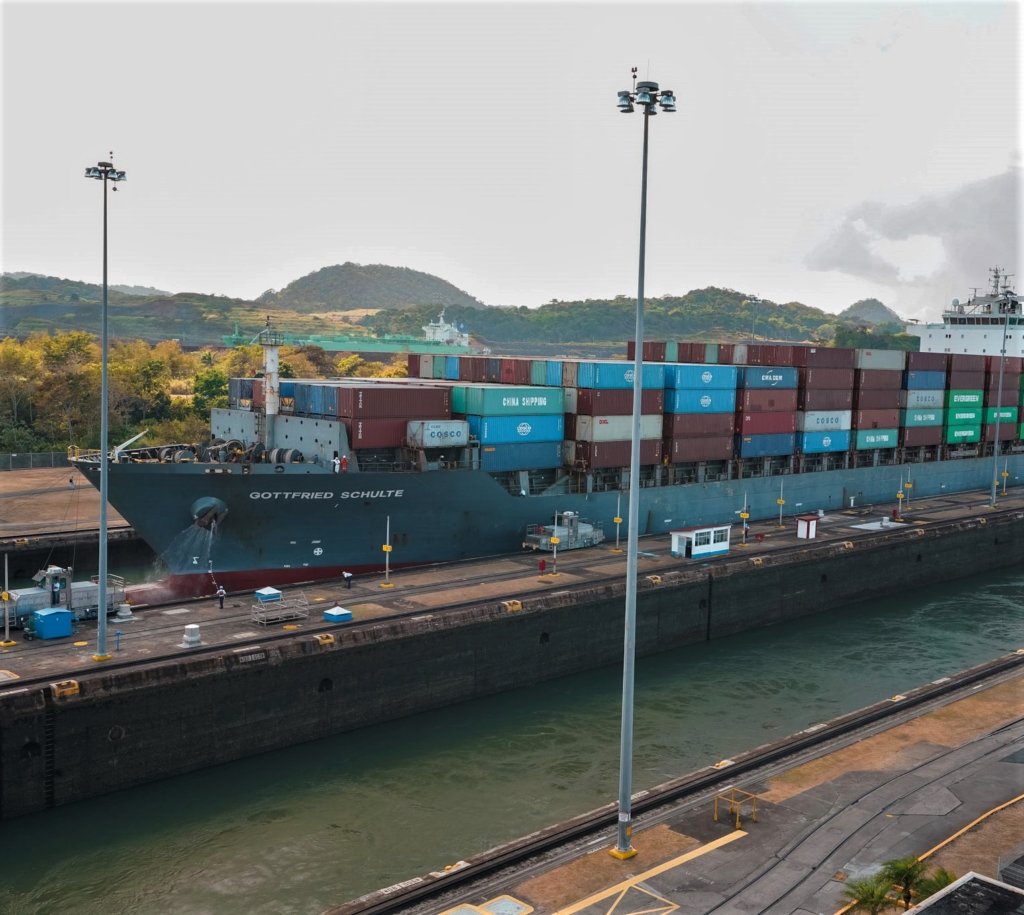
pixel 27 460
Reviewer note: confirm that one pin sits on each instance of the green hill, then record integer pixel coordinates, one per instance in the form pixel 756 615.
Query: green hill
pixel 870 311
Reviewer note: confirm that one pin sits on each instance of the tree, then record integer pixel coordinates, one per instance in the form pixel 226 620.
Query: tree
pixel 210 390
pixel 869 894
pixel 937 880
pixel 19 367
pixel 907 873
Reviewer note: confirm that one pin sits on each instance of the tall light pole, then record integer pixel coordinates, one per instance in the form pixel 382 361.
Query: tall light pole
pixel 1009 304
pixel 648 97
pixel 105 172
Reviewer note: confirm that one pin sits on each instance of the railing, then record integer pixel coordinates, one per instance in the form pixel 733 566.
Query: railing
pixel 38 460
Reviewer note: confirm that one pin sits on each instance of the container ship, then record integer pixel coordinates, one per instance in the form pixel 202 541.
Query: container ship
pixel 306 479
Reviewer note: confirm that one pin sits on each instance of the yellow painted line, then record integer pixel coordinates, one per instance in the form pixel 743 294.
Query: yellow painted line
pixel 653 872
pixel 956 835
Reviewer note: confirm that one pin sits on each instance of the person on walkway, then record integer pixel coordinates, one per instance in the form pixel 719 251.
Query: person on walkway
pixel 542 566
pixel 71 483
pixel 337 463
pixel 348 579
pixel 221 594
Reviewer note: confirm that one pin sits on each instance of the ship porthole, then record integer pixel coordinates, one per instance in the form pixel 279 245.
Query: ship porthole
pixel 117 732
pixel 326 685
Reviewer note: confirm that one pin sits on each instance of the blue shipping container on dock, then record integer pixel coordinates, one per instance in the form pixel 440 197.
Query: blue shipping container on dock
pixel 613 375
pixel 780 443
pixel 693 376
pixel 709 401
pixel 553 373
pixel 823 442
pixel 505 430
pixel 769 376
pixel 521 456
pixel 924 381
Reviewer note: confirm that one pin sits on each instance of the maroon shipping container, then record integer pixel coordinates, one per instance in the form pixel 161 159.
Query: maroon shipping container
pixel 515 371
pixel 691 351
pixel 258 400
pixel 376 433
pixel 927 362
pixel 876 419
pixel 961 380
pixel 825 400
pixel 687 450
pixel 826 379
pixel 1010 397
pixel 654 350
pixel 1010 364
pixel 765 423
pixel 877 400
pixel 413 365
pixel 471 369
pixel 912 437
pixel 617 402
pixel 1007 432
pixel 616 454
pixel 698 425
pixel 1010 380
pixel 492 369
pixel 963 362
pixel 766 400
pixel 824 357
pixel 879 379
pixel 379 401
pixel 725 351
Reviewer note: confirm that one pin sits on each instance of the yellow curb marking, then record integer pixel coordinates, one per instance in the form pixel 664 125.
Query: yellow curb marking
pixel 620 888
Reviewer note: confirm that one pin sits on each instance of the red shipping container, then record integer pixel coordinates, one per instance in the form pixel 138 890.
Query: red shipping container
pixel 765 423
pixel 1010 398
pixel 1010 380
pixel 616 454
pixel 1007 432
pixel 964 362
pixel 470 369
pixel 691 351
pixel 698 425
pixel 508 370
pixel 654 350
pixel 379 401
pixel 766 400
pixel 1010 364
pixel 725 351
pixel 878 400
pixel 413 365
pixel 913 437
pixel 927 362
pixel 825 400
pixel 963 380
pixel 824 357
pixel 687 450
pixel 876 419
pixel 376 433
pixel 826 379
pixel 258 400
pixel 879 379
pixel 617 402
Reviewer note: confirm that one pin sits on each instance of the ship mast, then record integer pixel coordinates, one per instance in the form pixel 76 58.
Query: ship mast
pixel 271 341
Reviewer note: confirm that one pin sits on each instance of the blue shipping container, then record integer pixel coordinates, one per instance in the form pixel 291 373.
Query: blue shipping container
pixel 765 445
pixel 924 381
pixel 505 430
pixel 616 375
pixel 823 442
pixel 52 624
pixel 710 401
pixel 522 456
pixel 553 373
pixel 765 376
pixel 287 388
pixel 451 368
pixel 700 377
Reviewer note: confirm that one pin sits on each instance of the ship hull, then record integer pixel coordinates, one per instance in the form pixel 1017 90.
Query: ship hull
pixel 280 524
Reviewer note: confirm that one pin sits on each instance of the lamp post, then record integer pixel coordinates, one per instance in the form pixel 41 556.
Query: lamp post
pixel 648 97
pixel 105 172
pixel 999 408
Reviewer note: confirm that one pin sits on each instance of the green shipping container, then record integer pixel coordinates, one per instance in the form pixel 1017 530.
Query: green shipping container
pixel 1005 415
pixel 922 417
pixel 965 398
pixel 672 351
pixel 959 435
pixel 539 371
pixel 506 400
pixel 877 438
pixel 963 416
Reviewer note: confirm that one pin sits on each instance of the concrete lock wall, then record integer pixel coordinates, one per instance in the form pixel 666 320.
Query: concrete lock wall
pixel 129 727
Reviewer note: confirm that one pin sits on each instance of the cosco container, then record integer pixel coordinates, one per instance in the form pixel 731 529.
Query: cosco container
pixel 1003 414
pixel 445 433
pixel 823 442
pixel 923 417
pixel 821 420
pixel 502 430
pixel 615 428
pixel 753 446
pixel 688 450
pixel 768 377
pixel 766 400
pixel 963 416
pixel 962 398
pixel 710 401
pixel 694 425
pixel 924 381
pixel 962 435
pixel 923 400
pixel 507 400
pixel 889 359
pixel 610 454
pixel 867 439
pixel 590 374
pixel 594 401
pixel 765 423
pixel 700 377
pixel 521 456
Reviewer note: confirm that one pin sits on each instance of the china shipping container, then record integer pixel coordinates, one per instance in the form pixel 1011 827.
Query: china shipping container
pixel 821 420
pixel 699 425
pixel 754 446
pixel 521 456
pixel 770 400
pixel 765 423
pixel 507 400
pixel 596 374
pixel 553 373
pixel 867 439
pixel 610 454
pixel 689 450
pixel 823 442
pixel 503 430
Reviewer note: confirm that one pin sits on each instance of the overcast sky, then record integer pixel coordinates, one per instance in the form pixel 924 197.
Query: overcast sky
pixel 822 152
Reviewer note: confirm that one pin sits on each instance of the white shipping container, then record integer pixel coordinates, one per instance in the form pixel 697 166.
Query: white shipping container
pixel 922 400
pixel 437 433
pixel 823 420
pixel 892 359
pixel 570 399
pixel 615 428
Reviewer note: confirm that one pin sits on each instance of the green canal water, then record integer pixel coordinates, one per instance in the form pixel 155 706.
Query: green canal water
pixel 299 830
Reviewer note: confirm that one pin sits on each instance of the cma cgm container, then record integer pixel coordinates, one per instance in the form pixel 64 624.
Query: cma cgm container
pixel 768 377
pixel 867 439
pixel 709 401
pixel 614 428
pixel 820 420
pixel 610 454
pixel 503 430
pixel 506 400
pixel 700 377
pixel 766 400
pixel 699 425
pixel 521 456
pixel 616 375
pixel 823 442
pixel 753 446
pixel 689 450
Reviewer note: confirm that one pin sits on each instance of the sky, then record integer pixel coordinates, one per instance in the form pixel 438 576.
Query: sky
pixel 821 152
